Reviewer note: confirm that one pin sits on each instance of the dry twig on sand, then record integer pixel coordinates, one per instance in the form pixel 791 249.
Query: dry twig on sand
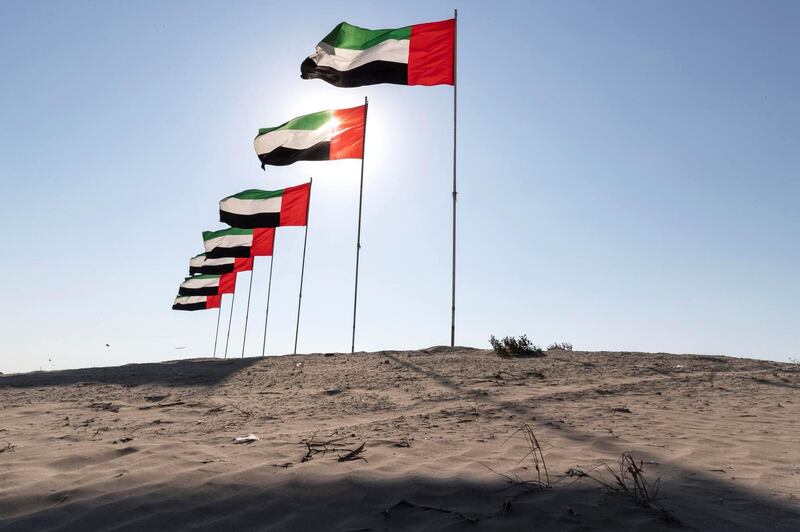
pixel 323 447
pixel 128 437
pixel 499 375
pixel 629 480
pixel 355 454
pixel 104 406
pixel 9 447
pixel 161 405
pixel 406 504
pixel 245 413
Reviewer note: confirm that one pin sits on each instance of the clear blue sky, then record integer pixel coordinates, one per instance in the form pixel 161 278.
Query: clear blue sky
pixel 628 177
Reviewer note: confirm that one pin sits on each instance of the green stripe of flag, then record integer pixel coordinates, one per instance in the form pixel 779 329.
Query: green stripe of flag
pixel 255 194
pixel 208 235
pixel 305 122
pixel 354 38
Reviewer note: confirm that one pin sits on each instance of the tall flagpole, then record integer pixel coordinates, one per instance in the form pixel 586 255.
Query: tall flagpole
pixel 269 289
pixel 358 237
pixel 216 336
pixel 455 194
pixel 302 268
pixel 230 319
pixel 247 314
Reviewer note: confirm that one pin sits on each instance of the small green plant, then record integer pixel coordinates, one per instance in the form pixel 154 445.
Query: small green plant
pixel 560 346
pixel 510 347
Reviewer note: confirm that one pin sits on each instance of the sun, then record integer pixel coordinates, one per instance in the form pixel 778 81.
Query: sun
pixel 333 126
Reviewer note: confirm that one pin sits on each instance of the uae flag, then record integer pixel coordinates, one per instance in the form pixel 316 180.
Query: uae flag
pixel 196 302
pixel 208 285
pixel 349 56
pixel 238 242
pixel 322 136
pixel 266 208
pixel 200 264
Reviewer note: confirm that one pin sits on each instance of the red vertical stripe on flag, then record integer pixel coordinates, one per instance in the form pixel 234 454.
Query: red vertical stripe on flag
pixel 431 53
pixel 243 264
pixel 263 241
pixel 227 283
pixel 213 301
pixel 294 205
pixel 349 141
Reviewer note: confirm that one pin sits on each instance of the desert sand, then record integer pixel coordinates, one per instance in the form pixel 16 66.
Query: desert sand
pixel 151 446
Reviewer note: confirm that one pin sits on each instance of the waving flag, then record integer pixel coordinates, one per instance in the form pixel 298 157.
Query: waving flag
pixel 266 208
pixel 208 285
pixel 349 56
pixel 200 264
pixel 196 302
pixel 322 136
pixel 237 242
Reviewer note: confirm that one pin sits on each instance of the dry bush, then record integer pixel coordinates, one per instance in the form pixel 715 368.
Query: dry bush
pixel 510 347
pixel 536 455
pixel 560 346
pixel 628 480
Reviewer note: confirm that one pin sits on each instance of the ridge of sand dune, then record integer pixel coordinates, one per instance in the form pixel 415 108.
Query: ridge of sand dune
pixel 149 446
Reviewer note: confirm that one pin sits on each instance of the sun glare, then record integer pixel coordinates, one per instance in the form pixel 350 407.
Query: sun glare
pixel 333 125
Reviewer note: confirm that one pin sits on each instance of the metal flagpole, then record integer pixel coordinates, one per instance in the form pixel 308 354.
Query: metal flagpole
pixel 455 194
pixel 302 269
pixel 230 319
pixel 216 336
pixel 358 237
pixel 247 314
pixel 269 289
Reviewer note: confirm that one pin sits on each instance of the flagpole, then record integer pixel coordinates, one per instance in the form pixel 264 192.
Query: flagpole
pixel 302 269
pixel 230 319
pixel 269 289
pixel 358 237
pixel 216 336
pixel 247 314
pixel 455 193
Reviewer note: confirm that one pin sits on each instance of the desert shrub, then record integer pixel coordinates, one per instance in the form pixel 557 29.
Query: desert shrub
pixel 561 346
pixel 510 347
pixel 628 480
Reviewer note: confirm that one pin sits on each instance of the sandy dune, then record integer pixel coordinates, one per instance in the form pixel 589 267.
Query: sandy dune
pixel 150 446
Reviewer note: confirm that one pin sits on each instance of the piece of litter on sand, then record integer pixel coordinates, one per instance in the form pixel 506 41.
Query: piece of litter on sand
pixel 250 438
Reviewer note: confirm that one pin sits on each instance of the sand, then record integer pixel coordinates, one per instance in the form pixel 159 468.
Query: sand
pixel 150 446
